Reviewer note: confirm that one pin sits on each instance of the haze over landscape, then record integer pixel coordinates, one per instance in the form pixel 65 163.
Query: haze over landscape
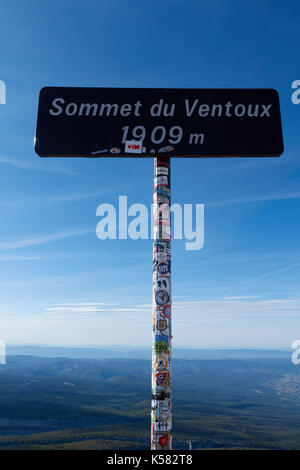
pixel 76 311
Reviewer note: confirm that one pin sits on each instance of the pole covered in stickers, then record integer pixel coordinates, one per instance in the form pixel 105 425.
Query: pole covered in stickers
pixel 161 409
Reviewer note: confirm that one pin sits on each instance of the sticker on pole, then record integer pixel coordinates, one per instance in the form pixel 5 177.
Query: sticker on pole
pixel 147 122
pixel 133 146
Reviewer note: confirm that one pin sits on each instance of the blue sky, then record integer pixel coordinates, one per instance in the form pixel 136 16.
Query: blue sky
pixel 59 284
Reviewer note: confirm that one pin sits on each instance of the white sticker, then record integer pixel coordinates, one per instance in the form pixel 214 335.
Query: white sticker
pixel 162 170
pixel 162 179
pixel 133 146
pixel 100 151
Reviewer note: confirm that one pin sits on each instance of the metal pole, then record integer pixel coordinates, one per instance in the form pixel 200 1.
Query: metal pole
pixel 161 407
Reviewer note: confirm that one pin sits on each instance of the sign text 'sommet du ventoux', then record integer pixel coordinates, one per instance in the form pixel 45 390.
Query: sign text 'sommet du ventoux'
pixel 145 122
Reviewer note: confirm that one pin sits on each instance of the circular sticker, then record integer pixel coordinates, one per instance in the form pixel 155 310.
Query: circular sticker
pixel 164 268
pixel 115 150
pixel 163 441
pixel 162 297
pixel 160 363
pixel 167 311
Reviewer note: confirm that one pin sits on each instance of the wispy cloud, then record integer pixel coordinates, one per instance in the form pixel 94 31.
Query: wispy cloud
pixel 74 309
pixel 73 197
pixel 240 297
pixel 238 310
pixel 236 165
pixel 74 304
pixel 253 199
pixel 89 308
pixel 49 201
pixel 263 276
pixel 240 323
pixel 44 257
pixel 210 311
pixel 77 197
pixel 19 258
pixel 38 240
pixel 241 304
pixel 35 164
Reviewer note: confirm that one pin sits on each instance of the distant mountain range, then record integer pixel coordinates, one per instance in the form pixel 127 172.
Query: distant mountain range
pixel 124 352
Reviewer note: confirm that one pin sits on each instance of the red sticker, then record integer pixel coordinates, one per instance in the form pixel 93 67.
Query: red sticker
pixel 167 311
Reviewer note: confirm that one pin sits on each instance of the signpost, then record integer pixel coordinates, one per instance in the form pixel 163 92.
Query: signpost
pixel 161 409
pixel 137 122
pixel 159 123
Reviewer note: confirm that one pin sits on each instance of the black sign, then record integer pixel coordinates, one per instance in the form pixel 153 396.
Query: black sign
pixel 145 122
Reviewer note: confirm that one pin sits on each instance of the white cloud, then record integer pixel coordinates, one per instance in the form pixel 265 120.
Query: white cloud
pixel 217 324
pixel 225 310
pixel 248 200
pixel 90 307
pixel 48 201
pixel 38 240
pixel 263 276
pixel 35 163
pixel 73 197
pixel 85 303
pixel 18 258
pixel 240 297
pixel 54 256
pixel 74 309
